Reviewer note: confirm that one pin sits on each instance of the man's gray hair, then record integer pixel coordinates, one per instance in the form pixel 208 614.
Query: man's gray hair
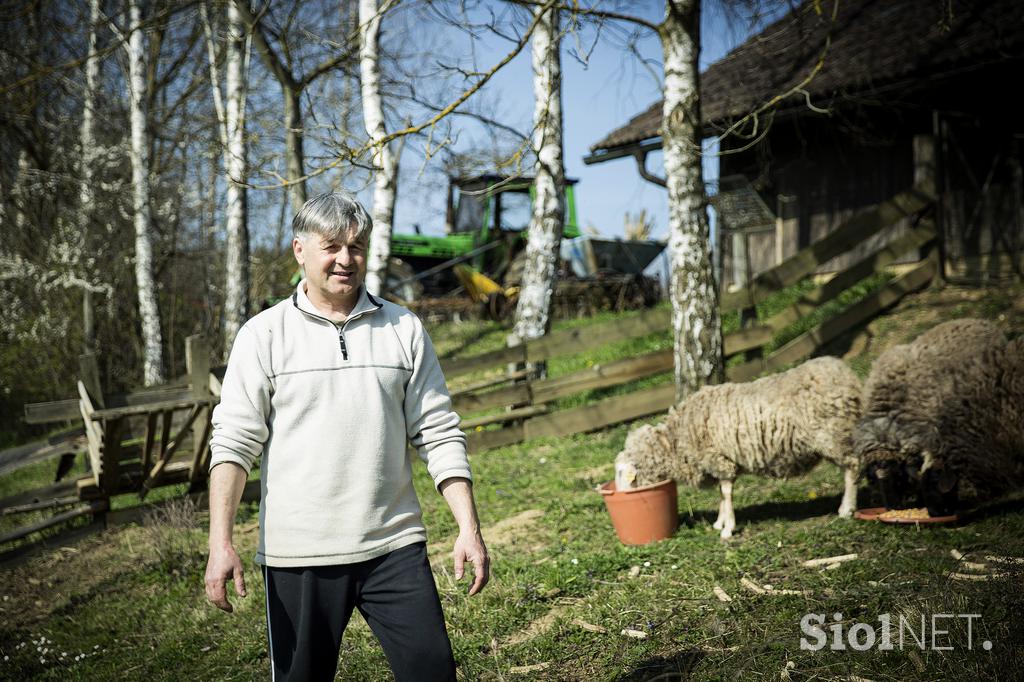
pixel 332 217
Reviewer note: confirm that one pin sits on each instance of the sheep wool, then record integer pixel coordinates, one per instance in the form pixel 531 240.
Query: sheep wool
pixel 777 426
pixel 945 413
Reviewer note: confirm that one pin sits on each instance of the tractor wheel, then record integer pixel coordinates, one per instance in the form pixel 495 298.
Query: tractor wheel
pixel 496 307
pixel 398 271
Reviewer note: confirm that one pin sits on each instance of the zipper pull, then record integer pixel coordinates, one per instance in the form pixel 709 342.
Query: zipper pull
pixel 341 341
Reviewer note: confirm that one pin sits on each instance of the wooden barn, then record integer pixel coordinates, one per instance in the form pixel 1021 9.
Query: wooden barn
pixel 843 104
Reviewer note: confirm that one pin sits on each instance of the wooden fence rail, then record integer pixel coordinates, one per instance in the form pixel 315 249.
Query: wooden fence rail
pixel 137 441
pixel 525 405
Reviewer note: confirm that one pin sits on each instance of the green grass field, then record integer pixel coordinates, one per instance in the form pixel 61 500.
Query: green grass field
pixel 128 603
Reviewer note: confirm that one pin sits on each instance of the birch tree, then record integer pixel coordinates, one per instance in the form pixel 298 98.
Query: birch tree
pixel 696 324
pixel 532 316
pixel 149 312
pixel 385 176
pixel 231 117
pixel 88 134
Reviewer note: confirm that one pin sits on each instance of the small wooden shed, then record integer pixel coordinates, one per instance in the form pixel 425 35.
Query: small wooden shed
pixel 827 114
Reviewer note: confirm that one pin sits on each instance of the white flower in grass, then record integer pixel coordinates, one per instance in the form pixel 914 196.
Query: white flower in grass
pixel 575 561
pixel 647 564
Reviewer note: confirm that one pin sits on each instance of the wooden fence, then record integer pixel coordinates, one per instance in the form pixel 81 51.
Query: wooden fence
pixel 160 436
pixel 523 406
pixel 134 443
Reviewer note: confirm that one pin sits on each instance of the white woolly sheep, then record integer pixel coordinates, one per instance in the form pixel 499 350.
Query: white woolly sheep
pixel 778 426
pixel 943 413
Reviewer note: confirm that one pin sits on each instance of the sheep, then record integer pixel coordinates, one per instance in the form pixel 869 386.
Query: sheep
pixel 944 413
pixel 778 426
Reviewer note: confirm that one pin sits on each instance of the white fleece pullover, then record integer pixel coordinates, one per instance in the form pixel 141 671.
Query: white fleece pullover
pixel 329 408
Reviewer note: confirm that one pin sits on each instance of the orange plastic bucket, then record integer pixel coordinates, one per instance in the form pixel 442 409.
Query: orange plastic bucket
pixel 642 515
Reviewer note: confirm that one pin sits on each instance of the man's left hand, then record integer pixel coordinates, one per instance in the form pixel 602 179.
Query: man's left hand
pixel 469 547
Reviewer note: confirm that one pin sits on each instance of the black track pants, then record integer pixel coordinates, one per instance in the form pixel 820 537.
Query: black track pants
pixel 308 609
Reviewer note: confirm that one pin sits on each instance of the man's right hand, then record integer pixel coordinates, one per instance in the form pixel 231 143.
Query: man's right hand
pixel 223 565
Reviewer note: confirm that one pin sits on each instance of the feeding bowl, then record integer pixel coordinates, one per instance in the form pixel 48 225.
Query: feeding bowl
pixel 642 515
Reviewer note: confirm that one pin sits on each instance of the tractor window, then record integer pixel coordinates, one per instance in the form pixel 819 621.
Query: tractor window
pixel 515 211
pixel 470 215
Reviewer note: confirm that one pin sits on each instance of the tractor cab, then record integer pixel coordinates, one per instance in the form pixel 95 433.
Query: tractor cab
pixel 485 227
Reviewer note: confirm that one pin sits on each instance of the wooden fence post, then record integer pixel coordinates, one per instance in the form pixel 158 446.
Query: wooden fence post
pixel 197 360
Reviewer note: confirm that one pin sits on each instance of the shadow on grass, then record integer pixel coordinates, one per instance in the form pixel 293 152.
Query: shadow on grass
pixel 991 509
pixel 767 511
pixel 677 666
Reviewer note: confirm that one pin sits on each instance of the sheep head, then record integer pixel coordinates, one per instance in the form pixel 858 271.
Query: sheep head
pixel 644 459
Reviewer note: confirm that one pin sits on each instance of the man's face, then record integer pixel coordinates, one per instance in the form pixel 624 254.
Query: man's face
pixel 334 269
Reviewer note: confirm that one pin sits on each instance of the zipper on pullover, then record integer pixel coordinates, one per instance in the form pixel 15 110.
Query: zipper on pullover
pixel 339 327
pixel 341 341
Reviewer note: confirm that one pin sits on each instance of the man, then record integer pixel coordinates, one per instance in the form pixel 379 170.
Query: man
pixel 326 388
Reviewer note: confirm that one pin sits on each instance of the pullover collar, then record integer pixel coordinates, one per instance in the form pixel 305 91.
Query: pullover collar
pixel 364 304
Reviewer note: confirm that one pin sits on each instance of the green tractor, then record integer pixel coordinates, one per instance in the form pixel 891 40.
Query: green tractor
pixel 486 223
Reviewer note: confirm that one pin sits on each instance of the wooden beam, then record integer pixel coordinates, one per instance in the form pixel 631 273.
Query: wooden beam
pixel 145 408
pixel 131 480
pixel 111 455
pixel 865 309
pixel 90 375
pixel 47 492
pixel 876 262
pixel 15 458
pixel 479 441
pixel 453 367
pixel 92 432
pixel 19 533
pixel 167 450
pixel 51 503
pixel 67 410
pixel 604 413
pixel 150 438
pixel 855 230
pixel 604 375
pixel 580 339
pixel 197 360
pixel 507 416
pixel 517 394
pixel 746 339
pixel 490 383
pixel 201 448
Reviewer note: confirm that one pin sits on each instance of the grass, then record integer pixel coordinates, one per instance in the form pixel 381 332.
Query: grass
pixel 130 600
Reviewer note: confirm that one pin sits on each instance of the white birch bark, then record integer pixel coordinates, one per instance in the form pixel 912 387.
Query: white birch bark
pixel 236 303
pixel 87 138
pixel 696 323
pixel 385 181
pixel 532 317
pixel 149 313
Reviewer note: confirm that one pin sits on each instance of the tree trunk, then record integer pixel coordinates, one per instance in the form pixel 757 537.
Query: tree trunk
pixel 532 318
pixel 295 158
pixel 88 134
pixel 696 323
pixel 236 304
pixel 385 181
pixel 149 313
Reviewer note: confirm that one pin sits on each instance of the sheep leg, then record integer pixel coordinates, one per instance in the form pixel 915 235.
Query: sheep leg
pixel 720 521
pixel 849 503
pixel 726 511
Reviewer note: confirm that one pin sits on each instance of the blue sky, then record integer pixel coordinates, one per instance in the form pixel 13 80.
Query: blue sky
pixel 597 97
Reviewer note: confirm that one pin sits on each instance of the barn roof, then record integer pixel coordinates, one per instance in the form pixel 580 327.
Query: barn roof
pixel 873 47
